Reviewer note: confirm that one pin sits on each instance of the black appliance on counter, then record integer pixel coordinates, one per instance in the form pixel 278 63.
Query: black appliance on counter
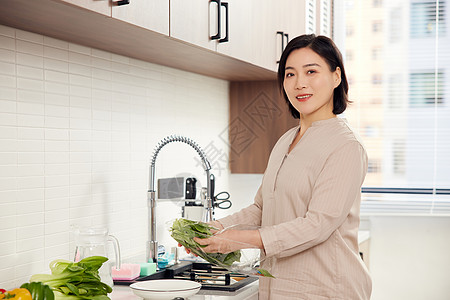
pixel 210 276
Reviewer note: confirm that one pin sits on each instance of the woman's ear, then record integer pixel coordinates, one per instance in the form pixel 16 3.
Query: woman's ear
pixel 337 77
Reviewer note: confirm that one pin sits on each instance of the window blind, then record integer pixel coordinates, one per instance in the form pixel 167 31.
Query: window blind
pixel 399 78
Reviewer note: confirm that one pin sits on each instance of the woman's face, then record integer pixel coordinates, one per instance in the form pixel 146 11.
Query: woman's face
pixel 309 84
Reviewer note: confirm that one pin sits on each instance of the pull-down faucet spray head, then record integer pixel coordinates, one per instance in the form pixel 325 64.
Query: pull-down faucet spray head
pixel 152 244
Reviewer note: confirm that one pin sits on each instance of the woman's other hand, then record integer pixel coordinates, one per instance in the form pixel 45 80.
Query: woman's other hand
pixel 231 240
pixel 215 224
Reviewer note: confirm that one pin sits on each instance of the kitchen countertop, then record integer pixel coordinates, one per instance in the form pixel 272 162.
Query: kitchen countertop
pixel 122 292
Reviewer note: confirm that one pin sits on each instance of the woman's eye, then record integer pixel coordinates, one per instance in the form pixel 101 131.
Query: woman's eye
pixel 289 75
pixel 311 72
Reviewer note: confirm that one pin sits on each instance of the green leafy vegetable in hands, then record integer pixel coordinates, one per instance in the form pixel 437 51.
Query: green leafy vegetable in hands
pixel 184 231
pixel 39 291
pixel 76 280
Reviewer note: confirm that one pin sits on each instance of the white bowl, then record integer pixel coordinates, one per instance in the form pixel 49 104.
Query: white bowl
pixel 165 289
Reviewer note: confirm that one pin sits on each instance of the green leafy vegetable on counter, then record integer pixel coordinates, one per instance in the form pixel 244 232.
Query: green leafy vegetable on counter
pixel 39 291
pixel 75 280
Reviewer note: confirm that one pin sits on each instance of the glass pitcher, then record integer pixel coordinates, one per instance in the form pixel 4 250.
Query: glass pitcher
pixel 92 241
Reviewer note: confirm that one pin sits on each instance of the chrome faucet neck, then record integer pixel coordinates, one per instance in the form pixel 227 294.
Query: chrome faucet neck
pixel 152 244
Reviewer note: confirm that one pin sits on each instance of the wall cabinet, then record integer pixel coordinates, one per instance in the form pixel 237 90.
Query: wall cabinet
pixel 149 14
pixel 193 22
pixel 102 7
pixel 250 34
pixel 152 15
pixel 244 31
pixel 173 33
pixel 237 25
pixel 238 15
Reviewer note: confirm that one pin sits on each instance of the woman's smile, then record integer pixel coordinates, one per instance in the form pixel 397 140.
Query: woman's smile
pixel 304 97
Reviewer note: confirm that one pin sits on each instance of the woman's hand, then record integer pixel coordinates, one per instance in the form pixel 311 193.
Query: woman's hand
pixel 215 224
pixel 231 240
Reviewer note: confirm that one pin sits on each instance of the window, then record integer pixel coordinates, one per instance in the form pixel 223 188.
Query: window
pixel 371 131
pixel 377 79
pixel 325 17
pixel 373 166
pixel 398 153
pixel 395 96
pixel 310 16
pixel 423 19
pixel 376 53
pixel 424 91
pixel 349 31
pixel 349 55
pixel 395 24
pixel 376 26
pixel 399 85
pixel 377 3
pixel 376 101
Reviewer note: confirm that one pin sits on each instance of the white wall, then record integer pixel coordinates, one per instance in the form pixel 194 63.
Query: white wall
pixel 77 130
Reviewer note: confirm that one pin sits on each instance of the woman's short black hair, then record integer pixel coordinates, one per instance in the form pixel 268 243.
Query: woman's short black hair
pixel 326 48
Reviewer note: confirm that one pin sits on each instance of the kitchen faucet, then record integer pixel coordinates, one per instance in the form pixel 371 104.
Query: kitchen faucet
pixel 152 244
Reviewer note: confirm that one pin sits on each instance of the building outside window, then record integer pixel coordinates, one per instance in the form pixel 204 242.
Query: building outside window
pixel 424 90
pixel 423 21
pixel 377 26
pixel 377 79
pixel 377 3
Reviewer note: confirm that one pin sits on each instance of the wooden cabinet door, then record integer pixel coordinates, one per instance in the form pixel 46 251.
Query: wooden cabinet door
pixel 258 117
pixel 194 21
pixel 240 17
pixel 290 22
pixel 149 14
pixel 264 34
pixel 99 6
pixel 295 17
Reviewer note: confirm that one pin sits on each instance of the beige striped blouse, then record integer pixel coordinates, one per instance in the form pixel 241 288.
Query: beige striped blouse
pixel 308 206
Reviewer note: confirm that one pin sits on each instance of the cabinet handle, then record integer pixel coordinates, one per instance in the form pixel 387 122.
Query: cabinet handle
pixel 121 2
pixel 217 36
pixel 283 36
pixel 282 42
pixel 225 39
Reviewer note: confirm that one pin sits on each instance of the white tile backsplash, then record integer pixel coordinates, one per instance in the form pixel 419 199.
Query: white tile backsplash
pixel 78 127
pixel 7 68
pixel 7 106
pixel 30 47
pixel 31 133
pixel 30 60
pixel 22 35
pixel 7 56
pixel 7 81
pixel 8 93
pixel 7 43
pixel 8 119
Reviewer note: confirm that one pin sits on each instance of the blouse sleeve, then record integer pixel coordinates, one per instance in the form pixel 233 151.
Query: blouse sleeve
pixel 335 192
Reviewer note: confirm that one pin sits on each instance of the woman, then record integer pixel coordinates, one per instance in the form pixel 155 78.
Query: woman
pixel 309 200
